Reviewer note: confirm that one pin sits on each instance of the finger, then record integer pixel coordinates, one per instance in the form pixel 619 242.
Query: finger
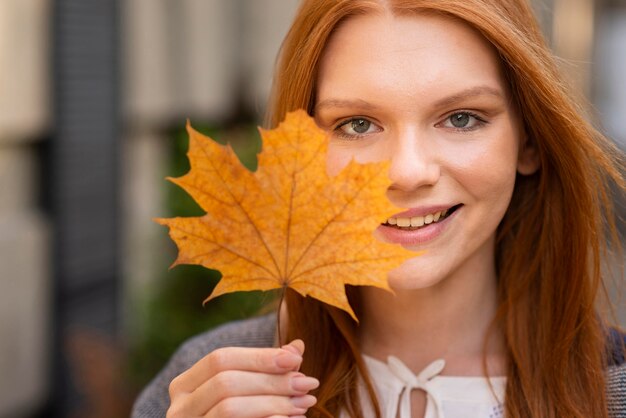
pixel 261 406
pixel 236 383
pixel 296 347
pixel 262 360
pixel 285 416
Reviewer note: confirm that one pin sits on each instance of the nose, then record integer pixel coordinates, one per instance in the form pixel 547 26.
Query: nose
pixel 413 162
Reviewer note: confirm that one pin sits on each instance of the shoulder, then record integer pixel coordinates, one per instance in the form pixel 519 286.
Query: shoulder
pixel 616 344
pixel 616 390
pixel 616 374
pixel 256 332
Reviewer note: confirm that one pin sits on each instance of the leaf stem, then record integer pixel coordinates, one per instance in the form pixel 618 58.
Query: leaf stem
pixel 280 305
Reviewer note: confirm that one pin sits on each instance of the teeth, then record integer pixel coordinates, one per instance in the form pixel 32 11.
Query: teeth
pixel 404 222
pixel 417 221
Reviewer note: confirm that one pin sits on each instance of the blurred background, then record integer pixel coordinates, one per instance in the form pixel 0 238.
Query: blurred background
pixel 94 95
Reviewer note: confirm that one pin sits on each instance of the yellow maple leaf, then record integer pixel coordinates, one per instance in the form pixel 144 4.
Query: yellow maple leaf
pixel 288 224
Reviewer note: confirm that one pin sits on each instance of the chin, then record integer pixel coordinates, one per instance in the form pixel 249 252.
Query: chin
pixel 411 276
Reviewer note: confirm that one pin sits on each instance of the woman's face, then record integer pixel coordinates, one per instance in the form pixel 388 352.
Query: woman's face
pixel 426 93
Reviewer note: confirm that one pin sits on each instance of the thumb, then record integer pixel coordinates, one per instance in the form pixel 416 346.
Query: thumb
pixel 295 347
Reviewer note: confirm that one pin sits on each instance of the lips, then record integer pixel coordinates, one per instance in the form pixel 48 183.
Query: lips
pixel 417 218
pixel 417 226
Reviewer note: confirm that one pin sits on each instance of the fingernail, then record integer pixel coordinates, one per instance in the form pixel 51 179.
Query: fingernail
pixel 291 349
pixel 304 383
pixel 305 401
pixel 287 360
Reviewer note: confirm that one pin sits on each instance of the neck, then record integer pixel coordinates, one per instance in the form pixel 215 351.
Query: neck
pixel 448 320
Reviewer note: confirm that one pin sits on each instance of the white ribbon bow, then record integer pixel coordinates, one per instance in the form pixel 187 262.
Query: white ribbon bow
pixel 411 381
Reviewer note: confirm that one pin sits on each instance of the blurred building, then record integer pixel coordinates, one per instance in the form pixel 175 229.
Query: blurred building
pixel 88 90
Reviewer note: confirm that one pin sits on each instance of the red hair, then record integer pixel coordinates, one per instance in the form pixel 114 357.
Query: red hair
pixel 549 244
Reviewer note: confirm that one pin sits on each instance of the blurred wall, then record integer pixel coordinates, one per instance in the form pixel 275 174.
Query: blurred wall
pixel 610 65
pixel 24 229
pixel 609 96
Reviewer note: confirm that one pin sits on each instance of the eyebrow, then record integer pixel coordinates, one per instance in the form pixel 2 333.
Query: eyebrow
pixel 446 101
pixel 344 103
pixel 469 93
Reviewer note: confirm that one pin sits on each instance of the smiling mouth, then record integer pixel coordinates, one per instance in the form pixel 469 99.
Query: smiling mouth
pixel 417 222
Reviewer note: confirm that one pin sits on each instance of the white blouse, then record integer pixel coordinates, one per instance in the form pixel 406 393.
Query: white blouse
pixel 446 396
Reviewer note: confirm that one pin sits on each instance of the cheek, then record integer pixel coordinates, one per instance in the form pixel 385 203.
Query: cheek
pixel 340 154
pixel 488 172
pixel 336 160
pixel 492 190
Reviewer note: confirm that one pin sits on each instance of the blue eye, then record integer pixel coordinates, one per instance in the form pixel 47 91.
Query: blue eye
pixel 460 120
pixel 360 126
pixel 356 127
pixel 465 121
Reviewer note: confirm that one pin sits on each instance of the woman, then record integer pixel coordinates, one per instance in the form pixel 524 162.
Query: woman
pixel 507 189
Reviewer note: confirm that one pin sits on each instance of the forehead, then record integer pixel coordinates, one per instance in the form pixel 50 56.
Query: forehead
pixel 416 54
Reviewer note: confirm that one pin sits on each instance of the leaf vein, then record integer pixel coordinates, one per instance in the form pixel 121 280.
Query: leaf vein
pixel 323 229
pixel 254 226
pixel 229 250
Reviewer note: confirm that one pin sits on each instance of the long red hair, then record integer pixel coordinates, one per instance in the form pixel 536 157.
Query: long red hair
pixel 549 245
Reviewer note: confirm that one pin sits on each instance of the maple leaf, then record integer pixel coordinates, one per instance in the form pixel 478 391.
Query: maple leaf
pixel 288 224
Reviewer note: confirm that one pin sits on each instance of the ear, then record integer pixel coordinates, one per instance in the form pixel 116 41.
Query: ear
pixel 528 161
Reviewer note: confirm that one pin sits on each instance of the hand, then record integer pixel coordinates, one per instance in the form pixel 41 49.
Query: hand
pixel 239 382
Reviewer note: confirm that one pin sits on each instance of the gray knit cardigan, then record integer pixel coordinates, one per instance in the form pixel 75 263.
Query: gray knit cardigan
pixel 154 401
